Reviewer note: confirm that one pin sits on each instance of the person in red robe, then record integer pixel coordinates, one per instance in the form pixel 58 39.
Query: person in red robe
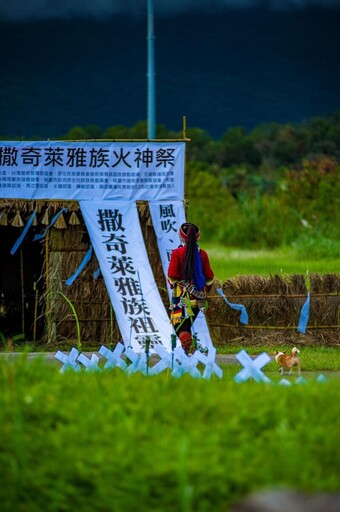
pixel 190 276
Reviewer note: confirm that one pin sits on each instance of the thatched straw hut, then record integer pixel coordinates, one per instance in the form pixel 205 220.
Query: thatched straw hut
pixel 34 297
pixel 35 300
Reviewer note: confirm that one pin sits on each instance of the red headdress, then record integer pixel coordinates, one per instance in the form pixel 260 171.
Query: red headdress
pixel 183 231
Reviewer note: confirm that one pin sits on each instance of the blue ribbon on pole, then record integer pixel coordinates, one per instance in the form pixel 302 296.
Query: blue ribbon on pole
pixel 238 307
pixel 304 316
pixel 23 234
pixel 85 261
pixel 39 237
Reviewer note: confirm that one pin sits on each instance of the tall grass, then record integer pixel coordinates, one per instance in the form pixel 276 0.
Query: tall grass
pixel 105 441
pixel 74 312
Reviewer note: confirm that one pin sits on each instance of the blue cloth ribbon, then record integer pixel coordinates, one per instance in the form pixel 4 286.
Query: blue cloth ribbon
pixel 23 234
pixel 85 261
pixel 55 218
pixel 96 273
pixel 304 316
pixel 238 307
pixel 198 278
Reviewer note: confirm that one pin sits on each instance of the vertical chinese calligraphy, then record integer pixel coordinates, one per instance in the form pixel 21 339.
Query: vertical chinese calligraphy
pixel 116 236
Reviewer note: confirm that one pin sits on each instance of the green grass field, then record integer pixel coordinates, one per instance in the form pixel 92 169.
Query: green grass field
pixel 313 359
pixel 227 262
pixel 106 441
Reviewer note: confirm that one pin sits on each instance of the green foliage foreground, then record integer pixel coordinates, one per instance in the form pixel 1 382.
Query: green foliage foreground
pixel 105 441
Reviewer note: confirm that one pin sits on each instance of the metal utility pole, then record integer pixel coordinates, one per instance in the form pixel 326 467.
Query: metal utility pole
pixel 151 73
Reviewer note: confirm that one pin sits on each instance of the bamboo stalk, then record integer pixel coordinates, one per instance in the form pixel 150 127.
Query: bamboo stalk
pixel 48 299
pixel 185 127
pixel 22 292
pixel 186 201
pixel 35 311
pixel 111 323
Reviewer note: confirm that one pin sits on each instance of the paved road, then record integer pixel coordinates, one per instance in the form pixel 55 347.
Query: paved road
pixel 49 356
pixel 221 359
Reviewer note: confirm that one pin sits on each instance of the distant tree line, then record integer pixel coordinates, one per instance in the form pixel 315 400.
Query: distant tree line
pixel 267 145
pixel 275 185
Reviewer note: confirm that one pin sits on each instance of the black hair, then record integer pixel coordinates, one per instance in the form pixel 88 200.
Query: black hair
pixel 191 231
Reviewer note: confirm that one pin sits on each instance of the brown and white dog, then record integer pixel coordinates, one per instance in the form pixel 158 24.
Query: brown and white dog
pixel 286 362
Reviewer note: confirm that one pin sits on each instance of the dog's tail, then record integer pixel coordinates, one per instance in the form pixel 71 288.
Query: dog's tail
pixel 295 351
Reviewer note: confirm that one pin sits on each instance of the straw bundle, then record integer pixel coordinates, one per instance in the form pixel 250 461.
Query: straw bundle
pixel 3 219
pixel 60 222
pixel 17 220
pixel 74 220
pixel 45 219
pixel 274 306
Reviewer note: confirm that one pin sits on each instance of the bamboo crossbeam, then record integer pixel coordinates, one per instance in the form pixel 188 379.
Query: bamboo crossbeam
pixel 273 327
pixel 281 295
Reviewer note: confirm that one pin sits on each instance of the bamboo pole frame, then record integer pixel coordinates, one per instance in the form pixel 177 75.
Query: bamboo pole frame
pixel 47 284
pixel 273 327
pixel 22 291
pixel 276 295
pixel 36 300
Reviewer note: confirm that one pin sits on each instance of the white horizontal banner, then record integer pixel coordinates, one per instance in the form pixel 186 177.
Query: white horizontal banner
pixel 167 218
pixel 118 242
pixel 92 170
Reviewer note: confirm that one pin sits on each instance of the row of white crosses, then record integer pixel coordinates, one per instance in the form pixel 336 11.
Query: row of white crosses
pixel 177 361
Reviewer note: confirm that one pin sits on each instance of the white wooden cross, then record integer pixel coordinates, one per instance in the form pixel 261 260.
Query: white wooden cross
pixel 252 367
pixel 138 362
pixel 209 361
pixel 69 361
pixel 185 364
pixel 113 357
pixel 166 360
pixel 285 382
pixel 90 364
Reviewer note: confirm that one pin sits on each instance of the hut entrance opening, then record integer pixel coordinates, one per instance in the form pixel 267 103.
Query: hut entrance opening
pixel 21 286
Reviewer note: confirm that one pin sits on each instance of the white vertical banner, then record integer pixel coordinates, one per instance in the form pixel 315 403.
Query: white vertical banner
pixel 167 218
pixel 117 239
